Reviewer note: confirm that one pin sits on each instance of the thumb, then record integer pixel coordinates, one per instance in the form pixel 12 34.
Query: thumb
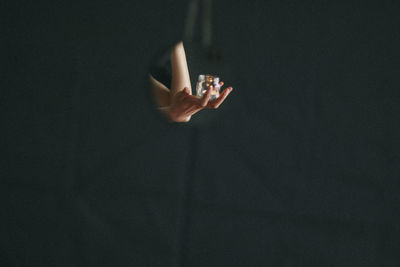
pixel 183 93
pixel 187 90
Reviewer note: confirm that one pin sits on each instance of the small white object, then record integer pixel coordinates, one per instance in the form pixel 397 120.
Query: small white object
pixel 205 82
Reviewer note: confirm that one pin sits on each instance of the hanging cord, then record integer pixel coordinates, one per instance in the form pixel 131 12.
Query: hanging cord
pixel 191 19
pixel 207 23
pixel 192 14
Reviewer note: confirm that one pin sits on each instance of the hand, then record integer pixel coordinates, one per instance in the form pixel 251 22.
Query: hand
pixel 183 105
pixel 217 102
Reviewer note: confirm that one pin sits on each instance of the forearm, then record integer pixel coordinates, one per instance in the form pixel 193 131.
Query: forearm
pixel 180 71
pixel 160 92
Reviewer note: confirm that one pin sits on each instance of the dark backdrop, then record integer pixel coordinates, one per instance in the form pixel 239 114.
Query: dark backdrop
pixel 300 166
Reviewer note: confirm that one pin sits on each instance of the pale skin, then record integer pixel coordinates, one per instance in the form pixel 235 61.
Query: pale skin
pixel 177 103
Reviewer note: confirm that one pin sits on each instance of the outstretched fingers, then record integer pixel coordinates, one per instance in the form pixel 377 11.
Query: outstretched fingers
pixel 217 102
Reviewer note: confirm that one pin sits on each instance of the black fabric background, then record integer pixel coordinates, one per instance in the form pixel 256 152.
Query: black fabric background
pixel 300 166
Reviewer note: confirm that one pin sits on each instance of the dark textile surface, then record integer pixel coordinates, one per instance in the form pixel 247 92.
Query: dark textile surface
pixel 300 166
